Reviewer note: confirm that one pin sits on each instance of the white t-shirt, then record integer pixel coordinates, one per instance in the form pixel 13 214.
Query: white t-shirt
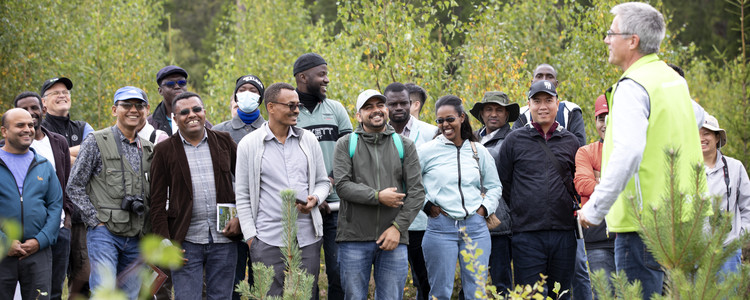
pixel 44 148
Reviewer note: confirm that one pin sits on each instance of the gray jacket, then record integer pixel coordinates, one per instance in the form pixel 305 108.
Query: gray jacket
pixel 247 180
pixel 238 129
pixel 739 195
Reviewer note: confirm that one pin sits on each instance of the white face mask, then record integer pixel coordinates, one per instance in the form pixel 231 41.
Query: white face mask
pixel 247 101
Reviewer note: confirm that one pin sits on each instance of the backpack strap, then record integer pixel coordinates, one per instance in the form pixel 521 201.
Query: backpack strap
pixel 481 178
pixel 399 146
pixel 353 137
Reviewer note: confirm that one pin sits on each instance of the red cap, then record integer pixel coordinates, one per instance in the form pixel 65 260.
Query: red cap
pixel 600 106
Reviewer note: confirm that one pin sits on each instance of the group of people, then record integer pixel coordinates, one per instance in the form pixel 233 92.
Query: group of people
pixel 391 193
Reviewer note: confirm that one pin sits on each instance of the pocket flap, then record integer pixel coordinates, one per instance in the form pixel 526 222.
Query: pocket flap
pixel 120 216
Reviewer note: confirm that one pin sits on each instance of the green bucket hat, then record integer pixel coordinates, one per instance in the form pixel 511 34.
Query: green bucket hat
pixel 498 98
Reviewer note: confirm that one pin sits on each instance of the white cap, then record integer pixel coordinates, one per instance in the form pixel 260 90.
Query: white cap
pixel 367 95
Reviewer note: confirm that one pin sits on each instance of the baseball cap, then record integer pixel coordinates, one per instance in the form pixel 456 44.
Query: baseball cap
pixel 169 70
pixel 542 86
pixel 600 107
pixel 129 92
pixel 367 95
pixel 50 82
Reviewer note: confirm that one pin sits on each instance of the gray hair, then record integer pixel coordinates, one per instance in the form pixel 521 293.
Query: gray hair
pixel 643 20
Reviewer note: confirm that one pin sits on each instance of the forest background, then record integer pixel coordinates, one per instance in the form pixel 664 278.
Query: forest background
pixel 461 47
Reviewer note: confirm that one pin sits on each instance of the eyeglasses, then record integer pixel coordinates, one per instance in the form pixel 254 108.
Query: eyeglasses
pixel 195 109
pixel 448 119
pixel 610 33
pixel 54 94
pixel 171 84
pixel 128 105
pixel 291 105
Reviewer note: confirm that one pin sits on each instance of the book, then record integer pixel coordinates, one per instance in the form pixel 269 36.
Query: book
pixel 224 213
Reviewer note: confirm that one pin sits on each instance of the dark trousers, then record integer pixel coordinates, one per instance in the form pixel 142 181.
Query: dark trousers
pixel 500 257
pixel 271 256
pixel 330 252
pixel 33 273
pixel 60 258
pixel 418 269
pixel 244 265
pixel 548 252
pixel 79 266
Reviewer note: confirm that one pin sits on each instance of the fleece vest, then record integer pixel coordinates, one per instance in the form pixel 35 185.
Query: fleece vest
pixel 671 125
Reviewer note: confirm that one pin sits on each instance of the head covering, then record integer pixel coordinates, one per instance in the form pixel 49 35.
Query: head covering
pixel 251 79
pixel 600 106
pixel 169 70
pixel 367 95
pixel 128 93
pixel 308 61
pixel 498 98
pixel 50 82
pixel 712 124
pixel 542 86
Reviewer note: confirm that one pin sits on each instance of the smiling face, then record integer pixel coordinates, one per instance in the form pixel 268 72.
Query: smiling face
pixel 372 115
pixel 127 113
pixel 709 141
pixel 543 108
pixel 57 100
pixel 601 125
pixel 399 106
pixel 451 123
pixel 316 81
pixel 494 116
pixel 279 111
pixel 18 130
pixel 192 123
pixel 33 106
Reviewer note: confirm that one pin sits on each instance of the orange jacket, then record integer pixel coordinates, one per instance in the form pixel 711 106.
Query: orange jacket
pixel 588 160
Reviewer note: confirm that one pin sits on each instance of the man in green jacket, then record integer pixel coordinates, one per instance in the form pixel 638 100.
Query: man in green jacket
pixel 650 110
pixel 379 181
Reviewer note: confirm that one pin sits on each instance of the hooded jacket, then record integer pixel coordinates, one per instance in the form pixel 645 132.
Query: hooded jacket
pixel 375 166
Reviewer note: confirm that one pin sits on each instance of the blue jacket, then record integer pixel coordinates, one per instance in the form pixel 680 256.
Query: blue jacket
pixel 39 212
pixel 451 177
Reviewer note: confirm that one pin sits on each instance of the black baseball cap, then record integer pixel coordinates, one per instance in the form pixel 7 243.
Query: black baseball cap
pixel 542 86
pixel 50 82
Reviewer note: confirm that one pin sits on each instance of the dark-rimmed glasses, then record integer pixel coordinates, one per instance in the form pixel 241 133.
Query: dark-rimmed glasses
pixel 291 105
pixel 195 109
pixel 128 105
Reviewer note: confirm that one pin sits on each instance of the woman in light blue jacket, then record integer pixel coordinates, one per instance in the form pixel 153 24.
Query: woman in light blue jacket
pixel 454 170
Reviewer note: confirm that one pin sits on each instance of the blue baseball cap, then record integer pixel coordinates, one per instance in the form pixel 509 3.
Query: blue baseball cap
pixel 130 92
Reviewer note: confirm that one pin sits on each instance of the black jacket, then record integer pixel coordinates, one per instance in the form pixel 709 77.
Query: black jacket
pixel 493 146
pixel 532 187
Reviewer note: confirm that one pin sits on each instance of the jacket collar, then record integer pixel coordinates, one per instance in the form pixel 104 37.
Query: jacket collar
pixel 374 137
pixel 237 123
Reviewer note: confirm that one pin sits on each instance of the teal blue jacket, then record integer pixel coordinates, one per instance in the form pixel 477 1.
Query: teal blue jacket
pixel 39 211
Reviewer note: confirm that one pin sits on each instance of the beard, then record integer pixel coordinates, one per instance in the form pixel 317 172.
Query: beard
pixel 315 91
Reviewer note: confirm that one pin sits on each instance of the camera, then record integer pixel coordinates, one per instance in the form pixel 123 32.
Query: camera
pixel 133 204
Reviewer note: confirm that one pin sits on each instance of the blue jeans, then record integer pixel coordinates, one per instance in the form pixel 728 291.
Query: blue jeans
pixel 602 259
pixel 500 258
pixel 218 261
pixel 330 250
pixel 60 258
pixel 550 252
pixel 733 263
pixel 357 259
pixel 632 256
pixel 581 286
pixel 110 255
pixel 442 245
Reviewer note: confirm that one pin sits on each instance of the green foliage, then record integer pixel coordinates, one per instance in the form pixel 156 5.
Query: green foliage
pixel 298 284
pixel 100 45
pixel 10 230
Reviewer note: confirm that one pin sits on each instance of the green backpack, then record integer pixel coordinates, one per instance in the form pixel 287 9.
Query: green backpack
pixel 353 137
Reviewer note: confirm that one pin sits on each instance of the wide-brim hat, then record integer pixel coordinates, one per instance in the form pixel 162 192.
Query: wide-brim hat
pixel 712 124
pixel 498 98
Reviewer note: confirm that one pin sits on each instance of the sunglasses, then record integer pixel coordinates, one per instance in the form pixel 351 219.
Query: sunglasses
pixel 128 105
pixel 291 105
pixel 448 119
pixel 195 109
pixel 171 84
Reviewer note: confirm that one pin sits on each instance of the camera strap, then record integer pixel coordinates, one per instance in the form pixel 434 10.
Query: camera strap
pixel 122 154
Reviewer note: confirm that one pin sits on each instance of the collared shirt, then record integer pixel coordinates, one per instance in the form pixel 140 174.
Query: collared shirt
pixel 202 229
pixel 486 137
pixel 548 134
pixel 283 166
pixel 89 164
